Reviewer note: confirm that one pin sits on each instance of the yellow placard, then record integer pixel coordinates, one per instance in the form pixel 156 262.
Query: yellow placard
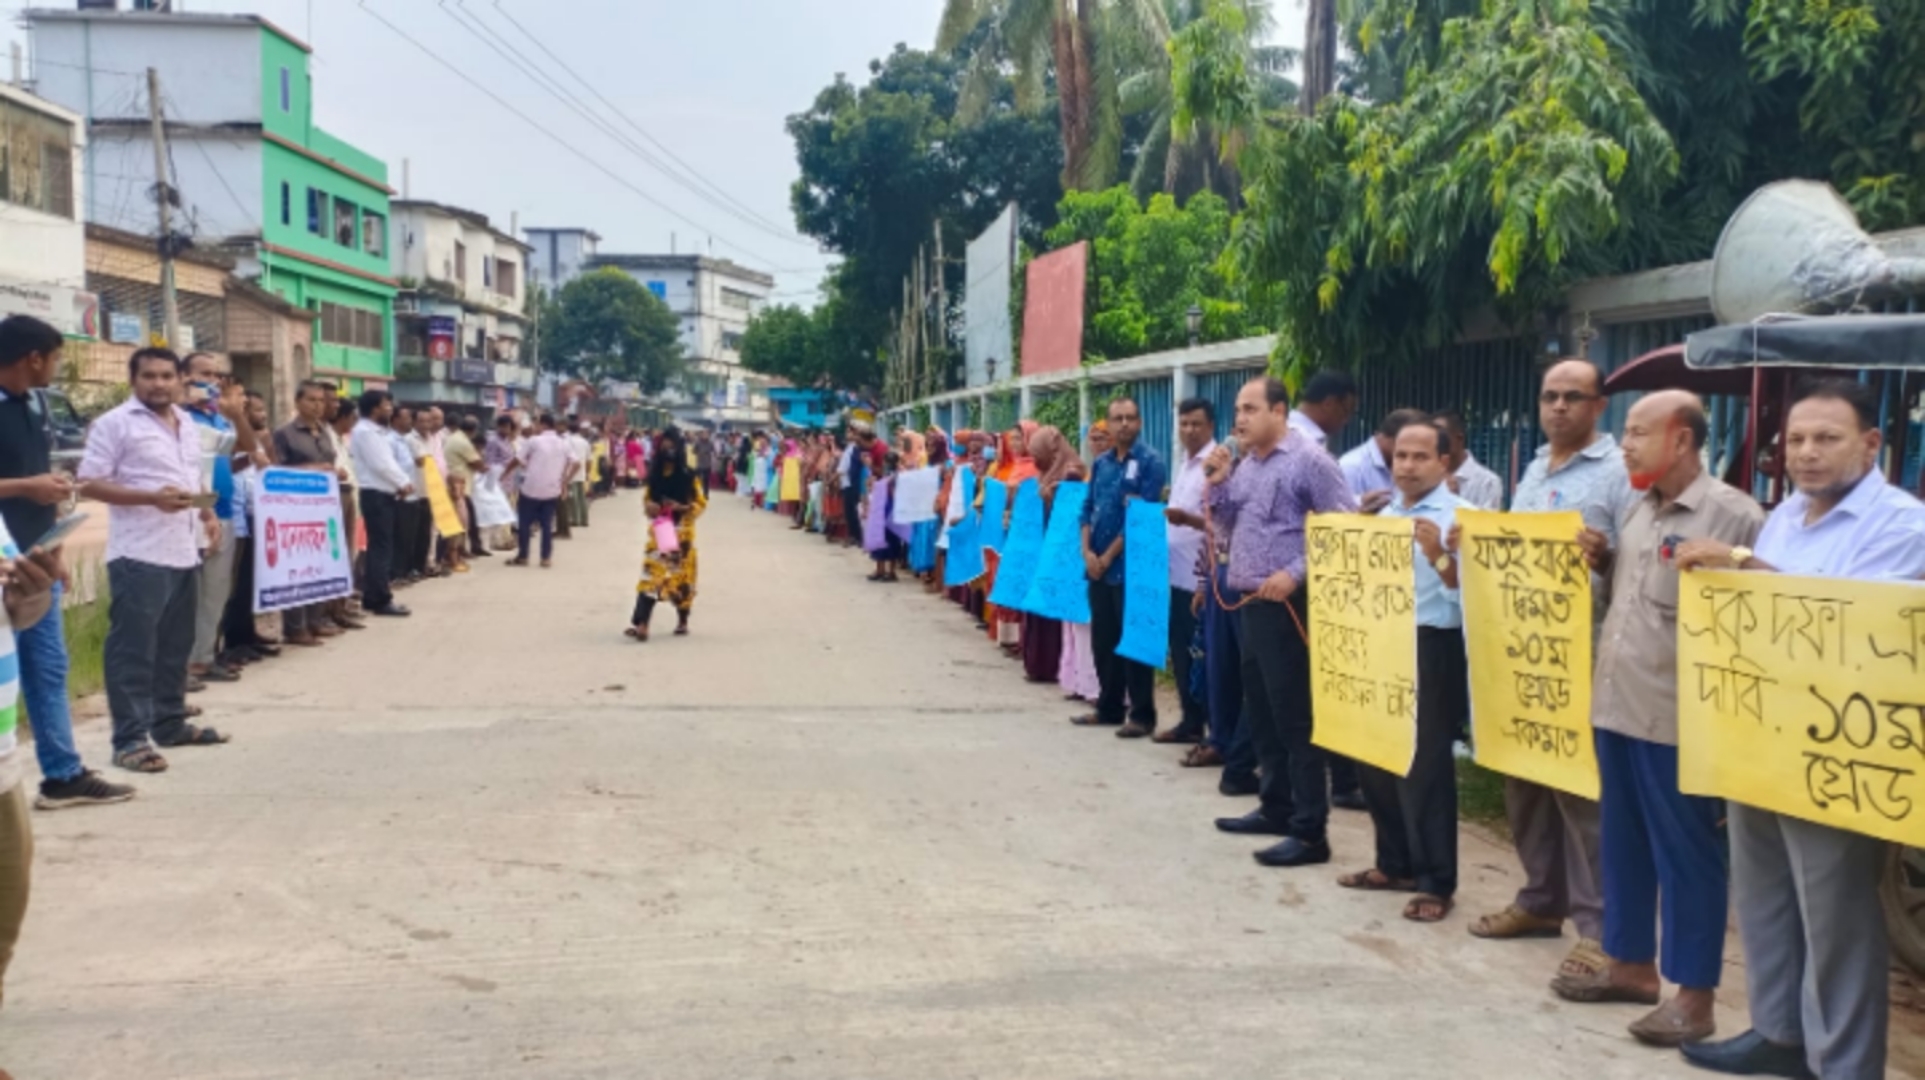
pixel 446 521
pixel 1805 696
pixel 1363 638
pixel 1527 621
pixel 791 481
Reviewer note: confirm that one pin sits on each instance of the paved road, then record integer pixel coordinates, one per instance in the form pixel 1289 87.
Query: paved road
pixel 834 835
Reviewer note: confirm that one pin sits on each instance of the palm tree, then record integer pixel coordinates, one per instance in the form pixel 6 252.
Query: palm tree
pixel 1193 142
pixel 1088 44
pixel 1320 55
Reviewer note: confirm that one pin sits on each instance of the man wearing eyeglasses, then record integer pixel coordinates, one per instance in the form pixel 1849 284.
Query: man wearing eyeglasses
pixel 1579 468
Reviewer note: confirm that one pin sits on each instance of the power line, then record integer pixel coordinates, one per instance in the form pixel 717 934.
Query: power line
pixel 643 132
pixel 560 92
pixel 564 143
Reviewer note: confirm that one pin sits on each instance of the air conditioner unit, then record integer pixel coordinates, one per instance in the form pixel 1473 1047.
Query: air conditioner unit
pixel 407 304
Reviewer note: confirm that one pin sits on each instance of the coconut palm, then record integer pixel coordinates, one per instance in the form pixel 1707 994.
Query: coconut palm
pixel 1209 99
pixel 1089 45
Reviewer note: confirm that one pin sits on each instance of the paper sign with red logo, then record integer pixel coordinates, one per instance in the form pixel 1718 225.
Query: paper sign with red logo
pixel 301 554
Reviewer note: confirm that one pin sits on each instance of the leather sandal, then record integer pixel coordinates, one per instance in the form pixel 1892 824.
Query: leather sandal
pixel 1669 1026
pixel 1513 923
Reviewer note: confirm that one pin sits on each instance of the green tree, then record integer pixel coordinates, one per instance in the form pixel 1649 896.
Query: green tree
pixel 782 341
pixel 883 167
pixel 606 325
pixel 1150 265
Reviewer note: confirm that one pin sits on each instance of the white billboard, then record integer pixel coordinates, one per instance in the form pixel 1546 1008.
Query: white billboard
pixel 987 333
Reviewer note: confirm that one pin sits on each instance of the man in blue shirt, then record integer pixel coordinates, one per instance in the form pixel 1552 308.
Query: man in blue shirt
pixel 1816 951
pixel 1129 471
pixel 1416 815
pixel 218 407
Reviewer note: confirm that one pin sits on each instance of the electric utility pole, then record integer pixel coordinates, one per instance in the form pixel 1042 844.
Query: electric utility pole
pixel 163 198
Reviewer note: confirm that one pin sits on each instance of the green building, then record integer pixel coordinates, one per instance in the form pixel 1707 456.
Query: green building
pixel 303 212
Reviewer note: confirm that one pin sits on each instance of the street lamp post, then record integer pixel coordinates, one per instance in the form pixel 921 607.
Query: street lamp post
pixel 1195 318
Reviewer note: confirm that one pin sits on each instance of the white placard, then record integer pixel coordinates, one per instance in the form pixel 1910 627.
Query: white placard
pixel 302 553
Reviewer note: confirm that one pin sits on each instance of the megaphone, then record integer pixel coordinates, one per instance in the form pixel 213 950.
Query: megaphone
pixel 1795 247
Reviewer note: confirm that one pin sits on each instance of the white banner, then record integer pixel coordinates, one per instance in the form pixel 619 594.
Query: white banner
pixel 302 553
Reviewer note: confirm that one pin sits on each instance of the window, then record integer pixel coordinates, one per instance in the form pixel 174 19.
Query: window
pixel 374 233
pixel 36 161
pixel 287 92
pixel 487 271
pixel 731 341
pixel 659 288
pixel 354 327
pixel 346 223
pixel 505 275
pixel 317 209
pixel 287 203
pixel 461 262
pixel 740 301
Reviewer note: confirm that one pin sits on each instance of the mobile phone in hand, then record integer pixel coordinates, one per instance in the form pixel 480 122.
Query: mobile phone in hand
pixel 59 533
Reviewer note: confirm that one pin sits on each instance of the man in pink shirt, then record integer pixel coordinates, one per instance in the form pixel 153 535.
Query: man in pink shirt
pixel 143 460
pixel 546 468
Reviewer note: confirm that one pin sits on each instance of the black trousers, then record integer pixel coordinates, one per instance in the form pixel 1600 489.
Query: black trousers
pixel 379 515
pixel 237 620
pixel 1196 707
pixel 420 554
pixel 1416 815
pixel 852 514
pixel 407 539
pixel 1276 697
pixel 535 513
pixel 1118 675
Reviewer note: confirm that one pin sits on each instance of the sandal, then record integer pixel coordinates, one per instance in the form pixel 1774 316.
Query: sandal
pixel 1428 908
pixel 1669 1026
pixel 1587 957
pixel 639 633
pixel 144 760
pixel 1514 922
pixel 197 736
pixel 1176 735
pixel 1087 720
pixel 1375 880
pixel 1597 988
pixel 682 630
pixel 193 711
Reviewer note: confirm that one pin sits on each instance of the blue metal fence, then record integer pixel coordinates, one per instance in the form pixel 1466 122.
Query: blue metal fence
pixel 1155 402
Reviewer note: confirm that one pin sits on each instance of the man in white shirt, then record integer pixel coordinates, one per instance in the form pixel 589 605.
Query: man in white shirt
pixel 578 449
pixel 1367 467
pixel 415 518
pixel 1469 479
pixel 384 482
pixel 546 469
pixel 1196 438
pixel 1327 403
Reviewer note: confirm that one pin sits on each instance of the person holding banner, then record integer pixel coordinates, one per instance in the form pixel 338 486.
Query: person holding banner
pixel 1657 844
pixel 1816 950
pixel 1128 472
pixel 1043 639
pixel 1415 815
pixel 1263 501
pixel 1579 468
pixel 1196 436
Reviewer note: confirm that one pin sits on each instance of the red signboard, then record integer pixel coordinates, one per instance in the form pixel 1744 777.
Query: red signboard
pixel 1053 311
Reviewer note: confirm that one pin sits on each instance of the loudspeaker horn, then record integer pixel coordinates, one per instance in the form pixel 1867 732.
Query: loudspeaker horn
pixel 1795 247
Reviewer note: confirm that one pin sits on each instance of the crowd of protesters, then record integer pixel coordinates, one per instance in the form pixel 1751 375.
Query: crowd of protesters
pixel 1644 854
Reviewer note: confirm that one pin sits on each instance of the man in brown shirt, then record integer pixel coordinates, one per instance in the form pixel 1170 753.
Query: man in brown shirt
pixel 1657 843
pixel 303 443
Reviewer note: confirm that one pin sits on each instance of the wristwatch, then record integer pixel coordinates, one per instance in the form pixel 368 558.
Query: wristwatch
pixel 1739 557
pixel 1442 563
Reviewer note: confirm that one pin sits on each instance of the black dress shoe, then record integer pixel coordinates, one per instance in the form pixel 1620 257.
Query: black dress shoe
pixel 1750 1054
pixel 392 611
pixel 1349 800
pixel 1252 824
pixel 1238 784
pixel 1295 852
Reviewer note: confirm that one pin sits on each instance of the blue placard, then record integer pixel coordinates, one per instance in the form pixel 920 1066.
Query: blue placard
pixel 995 505
pixel 1021 548
pixel 1146 585
pixel 964 563
pixel 1061 586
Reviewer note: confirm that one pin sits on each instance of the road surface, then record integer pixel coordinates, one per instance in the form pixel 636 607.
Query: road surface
pixel 833 835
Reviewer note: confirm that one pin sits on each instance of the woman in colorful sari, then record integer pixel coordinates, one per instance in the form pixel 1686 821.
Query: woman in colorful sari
pixel 1013 465
pixel 914 454
pixel 834 519
pixel 673 491
pixel 1055 461
pixel 1077 668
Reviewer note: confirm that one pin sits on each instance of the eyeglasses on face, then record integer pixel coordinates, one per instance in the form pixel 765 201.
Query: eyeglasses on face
pixel 1568 397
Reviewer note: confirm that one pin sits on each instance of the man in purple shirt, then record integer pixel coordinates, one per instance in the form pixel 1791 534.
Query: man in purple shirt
pixel 1263 501
pixel 143 460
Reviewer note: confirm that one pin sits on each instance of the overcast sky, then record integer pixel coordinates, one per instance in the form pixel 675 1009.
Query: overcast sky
pixel 712 80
